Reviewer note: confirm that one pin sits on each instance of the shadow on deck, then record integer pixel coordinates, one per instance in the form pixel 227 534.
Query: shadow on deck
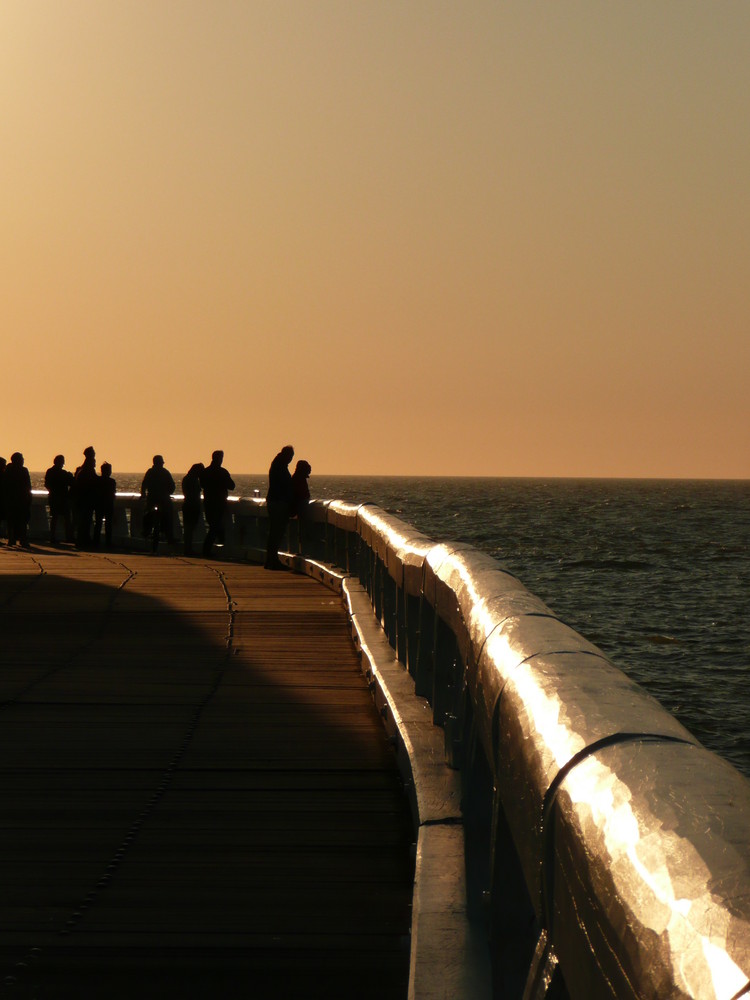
pixel 199 799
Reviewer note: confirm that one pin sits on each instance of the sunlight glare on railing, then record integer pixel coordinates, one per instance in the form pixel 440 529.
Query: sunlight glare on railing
pixel 650 895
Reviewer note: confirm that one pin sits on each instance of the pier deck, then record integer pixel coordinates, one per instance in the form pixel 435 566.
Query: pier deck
pixel 198 798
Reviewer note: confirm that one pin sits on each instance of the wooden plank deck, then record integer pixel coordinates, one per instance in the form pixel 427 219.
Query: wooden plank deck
pixel 198 797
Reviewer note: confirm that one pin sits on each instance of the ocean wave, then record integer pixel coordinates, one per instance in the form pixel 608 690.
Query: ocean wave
pixel 618 565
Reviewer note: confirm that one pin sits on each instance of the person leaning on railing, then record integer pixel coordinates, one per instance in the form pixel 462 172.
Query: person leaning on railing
pixel 300 496
pixel 191 504
pixel 83 496
pixel 216 483
pixel 58 482
pixel 279 500
pixel 158 487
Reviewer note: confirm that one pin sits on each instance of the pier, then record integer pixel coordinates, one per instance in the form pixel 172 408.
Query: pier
pixel 198 795
pixel 225 754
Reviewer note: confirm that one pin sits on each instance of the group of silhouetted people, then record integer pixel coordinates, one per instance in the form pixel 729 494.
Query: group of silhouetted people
pixel 81 504
pixel 205 489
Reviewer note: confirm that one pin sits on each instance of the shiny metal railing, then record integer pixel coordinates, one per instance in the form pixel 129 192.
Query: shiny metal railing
pixel 617 847
pixel 608 852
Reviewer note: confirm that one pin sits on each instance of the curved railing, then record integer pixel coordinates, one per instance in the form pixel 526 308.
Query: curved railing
pixel 608 852
pixel 618 841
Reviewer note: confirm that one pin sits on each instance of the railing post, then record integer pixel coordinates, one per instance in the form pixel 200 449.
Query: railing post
pixel 402 646
pixel 513 925
pixel 390 606
pixel 39 522
pixel 411 629
pixel 313 536
pixel 119 523
pixel 333 544
pixel 544 981
pixel 330 553
pixel 476 808
pixel 293 540
pixel 343 539
pixel 425 650
pixel 176 522
pixel 352 552
pixel 136 521
pixel 455 720
pixel 443 679
pixel 377 587
pixel 365 566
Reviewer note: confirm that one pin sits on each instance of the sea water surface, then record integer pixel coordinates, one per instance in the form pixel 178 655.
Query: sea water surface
pixel 656 573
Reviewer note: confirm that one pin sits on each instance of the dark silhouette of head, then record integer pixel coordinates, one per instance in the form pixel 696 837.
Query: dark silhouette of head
pixel 106 470
pixel 89 452
pixel 302 468
pixel 287 453
pixel 217 457
pixel 16 458
pixel 158 461
pixel 196 468
pixel 59 461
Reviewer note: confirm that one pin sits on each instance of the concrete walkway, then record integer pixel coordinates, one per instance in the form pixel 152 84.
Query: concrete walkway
pixel 198 797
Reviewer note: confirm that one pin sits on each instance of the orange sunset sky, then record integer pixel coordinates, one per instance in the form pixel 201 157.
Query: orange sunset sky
pixel 475 238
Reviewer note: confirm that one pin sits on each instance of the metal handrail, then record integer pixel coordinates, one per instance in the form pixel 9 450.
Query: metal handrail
pixel 631 840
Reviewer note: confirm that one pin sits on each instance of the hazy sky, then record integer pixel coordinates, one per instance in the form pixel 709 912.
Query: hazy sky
pixel 407 237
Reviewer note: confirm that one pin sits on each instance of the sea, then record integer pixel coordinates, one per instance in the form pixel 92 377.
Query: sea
pixel 656 573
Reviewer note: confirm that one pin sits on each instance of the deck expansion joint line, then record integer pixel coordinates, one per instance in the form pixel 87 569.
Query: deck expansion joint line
pixel 31 583
pixel 94 637
pixel 202 785
pixel 77 914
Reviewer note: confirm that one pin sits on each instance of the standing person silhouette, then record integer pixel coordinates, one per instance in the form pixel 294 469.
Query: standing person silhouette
pixel 105 506
pixel 84 497
pixel 158 487
pixel 279 500
pixel 300 497
pixel 17 483
pixel 216 483
pixel 3 466
pixel 191 504
pixel 300 488
pixel 58 482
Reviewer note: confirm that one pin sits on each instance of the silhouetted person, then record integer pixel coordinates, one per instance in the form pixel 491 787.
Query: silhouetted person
pixel 83 495
pixel 279 500
pixel 300 496
pixel 58 483
pixel 3 464
pixel 300 488
pixel 17 483
pixel 191 505
pixel 158 487
pixel 216 483
pixel 106 487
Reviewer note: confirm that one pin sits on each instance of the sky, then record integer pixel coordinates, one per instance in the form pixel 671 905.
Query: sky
pixel 424 238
